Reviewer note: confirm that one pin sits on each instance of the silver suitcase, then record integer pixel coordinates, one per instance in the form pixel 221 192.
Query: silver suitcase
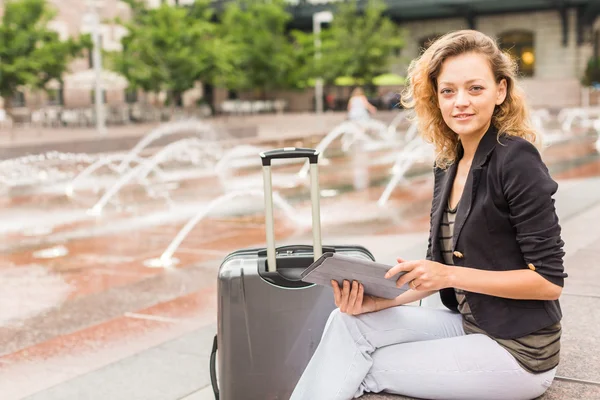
pixel 269 321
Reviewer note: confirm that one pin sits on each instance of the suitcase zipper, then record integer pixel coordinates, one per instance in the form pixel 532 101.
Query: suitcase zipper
pixel 246 252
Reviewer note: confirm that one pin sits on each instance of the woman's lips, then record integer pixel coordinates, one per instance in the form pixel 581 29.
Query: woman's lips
pixel 463 117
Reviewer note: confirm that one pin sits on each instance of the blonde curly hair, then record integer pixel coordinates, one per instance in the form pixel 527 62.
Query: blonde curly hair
pixel 510 118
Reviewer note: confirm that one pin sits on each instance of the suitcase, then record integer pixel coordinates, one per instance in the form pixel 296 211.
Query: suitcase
pixel 269 321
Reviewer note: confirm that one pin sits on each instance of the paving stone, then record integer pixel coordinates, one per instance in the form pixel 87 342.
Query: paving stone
pixel 575 197
pixel 383 396
pixel 584 274
pixel 562 390
pixel 580 342
pixel 197 343
pixel 96 308
pixel 155 374
pixel 202 394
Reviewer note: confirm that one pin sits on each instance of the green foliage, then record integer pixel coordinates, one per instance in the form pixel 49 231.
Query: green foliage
pixel 359 44
pixel 136 6
pixel 170 48
pixel 31 55
pixel 264 55
pixel 592 72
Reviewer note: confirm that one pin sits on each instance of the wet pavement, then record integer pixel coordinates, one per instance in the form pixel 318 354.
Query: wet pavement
pixel 83 316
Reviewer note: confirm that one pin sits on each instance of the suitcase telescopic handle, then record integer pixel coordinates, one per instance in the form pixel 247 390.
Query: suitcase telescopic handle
pixel 291 152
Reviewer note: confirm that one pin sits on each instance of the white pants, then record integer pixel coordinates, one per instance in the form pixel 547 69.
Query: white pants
pixel 417 352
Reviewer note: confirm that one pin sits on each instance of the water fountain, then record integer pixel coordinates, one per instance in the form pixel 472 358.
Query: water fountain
pixel 380 129
pixel 166 260
pixel 568 117
pixel 401 117
pixel 415 151
pixel 238 157
pixel 108 161
pixel 141 171
pixel 48 168
pixel 194 126
pixel 350 132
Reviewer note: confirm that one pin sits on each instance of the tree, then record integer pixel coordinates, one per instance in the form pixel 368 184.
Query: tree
pixel 359 44
pixel 171 48
pixel 264 55
pixel 592 72
pixel 31 55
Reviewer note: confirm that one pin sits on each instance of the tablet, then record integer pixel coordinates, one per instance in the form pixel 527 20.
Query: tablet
pixel 338 267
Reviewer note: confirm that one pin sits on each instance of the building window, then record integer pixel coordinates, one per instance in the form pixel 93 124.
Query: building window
pixel 18 100
pixel 519 44
pixel 131 96
pixel 56 97
pixel 426 41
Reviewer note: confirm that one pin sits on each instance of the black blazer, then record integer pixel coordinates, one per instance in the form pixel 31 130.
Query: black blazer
pixel 505 220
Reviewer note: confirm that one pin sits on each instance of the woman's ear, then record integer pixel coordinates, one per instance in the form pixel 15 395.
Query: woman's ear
pixel 501 92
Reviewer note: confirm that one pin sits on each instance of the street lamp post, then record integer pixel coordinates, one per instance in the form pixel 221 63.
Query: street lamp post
pixel 318 18
pixel 93 20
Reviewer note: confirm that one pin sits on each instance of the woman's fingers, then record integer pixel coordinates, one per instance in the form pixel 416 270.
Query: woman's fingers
pixel 350 296
pixel 406 278
pixel 403 266
pixel 359 299
pixel 353 296
pixel 345 296
pixel 414 284
pixel 337 293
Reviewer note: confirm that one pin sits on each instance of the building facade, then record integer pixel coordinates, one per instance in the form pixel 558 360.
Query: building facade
pixel 553 41
pixel 551 70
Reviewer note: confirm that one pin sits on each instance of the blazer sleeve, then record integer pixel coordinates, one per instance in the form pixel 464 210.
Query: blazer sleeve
pixel 528 189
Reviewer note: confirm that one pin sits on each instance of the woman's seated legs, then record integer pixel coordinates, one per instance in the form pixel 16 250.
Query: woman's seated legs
pixel 471 367
pixel 343 357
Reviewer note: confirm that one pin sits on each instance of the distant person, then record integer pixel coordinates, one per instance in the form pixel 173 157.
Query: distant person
pixel 494 255
pixel 359 108
pixel 330 101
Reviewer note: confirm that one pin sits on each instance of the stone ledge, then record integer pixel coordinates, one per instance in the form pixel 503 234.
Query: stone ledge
pixel 560 390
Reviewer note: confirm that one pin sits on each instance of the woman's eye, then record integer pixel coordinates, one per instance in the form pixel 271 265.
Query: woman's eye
pixel 477 88
pixel 446 91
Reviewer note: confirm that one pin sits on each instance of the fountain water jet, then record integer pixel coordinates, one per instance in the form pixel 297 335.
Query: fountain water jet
pixel 350 133
pixel 166 259
pixel 414 151
pixel 106 161
pixel 142 170
pixel 171 128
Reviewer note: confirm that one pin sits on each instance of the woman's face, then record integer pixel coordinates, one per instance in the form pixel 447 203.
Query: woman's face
pixel 467 94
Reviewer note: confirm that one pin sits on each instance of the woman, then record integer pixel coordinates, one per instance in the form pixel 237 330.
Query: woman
pixel 359 108
pixel 494 253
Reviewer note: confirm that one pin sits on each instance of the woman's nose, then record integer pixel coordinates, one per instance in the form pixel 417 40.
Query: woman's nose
pixel 462 98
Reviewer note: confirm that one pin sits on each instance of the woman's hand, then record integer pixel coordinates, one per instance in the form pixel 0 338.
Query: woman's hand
pixel 350 298
pixel 421 274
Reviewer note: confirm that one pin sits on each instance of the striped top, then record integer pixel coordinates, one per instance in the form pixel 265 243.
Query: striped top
pixel 537 352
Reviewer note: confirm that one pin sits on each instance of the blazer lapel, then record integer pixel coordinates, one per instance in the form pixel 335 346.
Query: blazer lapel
pixel 466 201
pixel 444 179
pixel 482 155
